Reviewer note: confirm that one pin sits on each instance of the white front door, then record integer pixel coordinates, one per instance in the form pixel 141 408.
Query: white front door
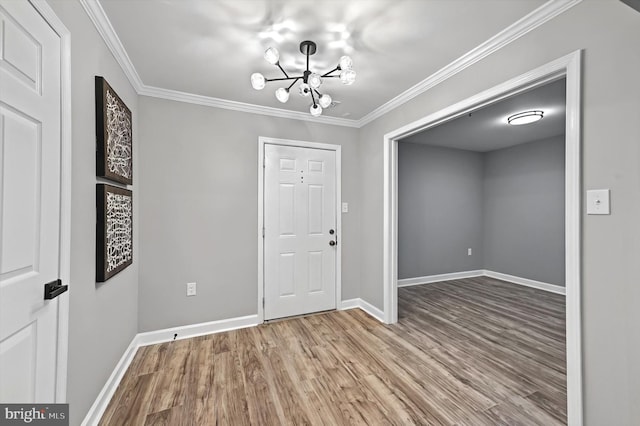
pixel 29 202
pixel 300 230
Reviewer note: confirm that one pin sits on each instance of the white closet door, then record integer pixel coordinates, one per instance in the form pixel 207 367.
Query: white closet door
pixel 29 202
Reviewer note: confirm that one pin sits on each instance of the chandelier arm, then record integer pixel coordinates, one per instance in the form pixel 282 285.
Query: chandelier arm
pixel 283 78
pixel 313 98
pixel 329 72
pixel 283 71
pixel 294 82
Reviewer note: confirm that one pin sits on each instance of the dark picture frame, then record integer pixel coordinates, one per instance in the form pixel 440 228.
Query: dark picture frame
pixel 114 230
pixel 114 135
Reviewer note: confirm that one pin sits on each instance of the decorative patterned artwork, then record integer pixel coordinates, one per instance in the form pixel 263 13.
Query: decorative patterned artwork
pixel 114 230
pixel 114 155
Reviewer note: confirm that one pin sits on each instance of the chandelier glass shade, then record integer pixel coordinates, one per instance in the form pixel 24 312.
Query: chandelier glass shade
pixel 310 81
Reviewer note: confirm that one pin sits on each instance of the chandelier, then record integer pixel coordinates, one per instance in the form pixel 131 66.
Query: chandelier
pixel 311 81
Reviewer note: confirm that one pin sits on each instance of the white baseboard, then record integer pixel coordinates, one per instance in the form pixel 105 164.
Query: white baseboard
pixel 372 310
pixel 553 288
pixel 194 330
pixel 349 304
pixel 152 337
pixel 364 305
pixel 100 404
pixel 440 277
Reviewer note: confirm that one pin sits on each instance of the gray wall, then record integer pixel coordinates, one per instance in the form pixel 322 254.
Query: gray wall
pixel 610 156
pixel 199 200
pixel 507 205
pixel 103 318
pixel 439 210
pixel 524 211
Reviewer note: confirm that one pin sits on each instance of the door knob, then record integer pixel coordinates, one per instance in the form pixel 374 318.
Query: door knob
pixel 54 289
pixel 331 231
pixel 332 243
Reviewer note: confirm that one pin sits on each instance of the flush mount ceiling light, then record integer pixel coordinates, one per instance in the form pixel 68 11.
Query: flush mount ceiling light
pixel 311 81
pixel 525 117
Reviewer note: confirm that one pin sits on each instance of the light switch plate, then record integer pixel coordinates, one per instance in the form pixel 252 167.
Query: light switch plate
pixel 598 201
pixel 345 207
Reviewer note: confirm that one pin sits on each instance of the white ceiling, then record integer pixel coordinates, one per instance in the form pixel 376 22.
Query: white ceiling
pixel 486 129
pixel 211 47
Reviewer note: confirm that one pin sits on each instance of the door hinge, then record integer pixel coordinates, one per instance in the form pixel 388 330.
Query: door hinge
pixel 263 232
pixel 263 303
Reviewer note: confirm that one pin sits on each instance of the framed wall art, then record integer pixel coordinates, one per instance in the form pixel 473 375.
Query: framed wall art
pixel 114 151
pixel 114 230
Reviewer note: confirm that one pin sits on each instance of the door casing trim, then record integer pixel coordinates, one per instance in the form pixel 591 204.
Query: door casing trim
pixel 569 67
pixel 262 141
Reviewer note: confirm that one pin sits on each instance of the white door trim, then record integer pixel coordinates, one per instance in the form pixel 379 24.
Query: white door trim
pixel 65 193
pixel 569 67
pixel 262 141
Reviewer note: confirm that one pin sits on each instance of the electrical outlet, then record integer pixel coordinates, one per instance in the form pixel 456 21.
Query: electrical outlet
pixel 469 252
pixel 345 207
pixel 191 289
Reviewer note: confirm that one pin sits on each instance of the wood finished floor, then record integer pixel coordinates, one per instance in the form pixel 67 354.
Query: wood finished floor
pixel 466 352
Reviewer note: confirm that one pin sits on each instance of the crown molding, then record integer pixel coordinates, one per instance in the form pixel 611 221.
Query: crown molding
pixel 544 13
pixel 174 95
pixel 539 16
pixel 105 29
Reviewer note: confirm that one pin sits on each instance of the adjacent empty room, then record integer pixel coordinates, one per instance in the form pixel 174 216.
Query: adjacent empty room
pixel 481 252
